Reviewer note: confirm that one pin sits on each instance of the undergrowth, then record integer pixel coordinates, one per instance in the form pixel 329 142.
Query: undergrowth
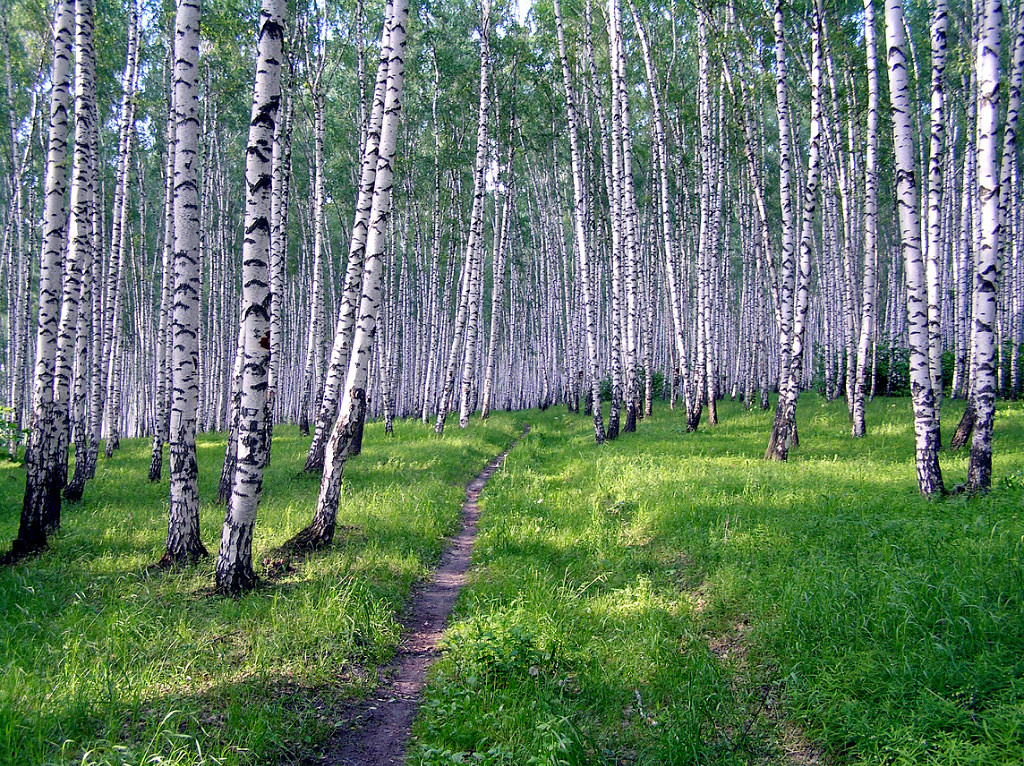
pixel 103 665
pixel 672 598
pixel 667 598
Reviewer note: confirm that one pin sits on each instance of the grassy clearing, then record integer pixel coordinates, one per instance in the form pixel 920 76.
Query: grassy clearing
pixel 100 664
pixel 660 599
pixel 657 600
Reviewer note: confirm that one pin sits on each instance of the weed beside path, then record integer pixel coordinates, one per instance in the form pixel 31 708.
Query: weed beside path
pixel 883 627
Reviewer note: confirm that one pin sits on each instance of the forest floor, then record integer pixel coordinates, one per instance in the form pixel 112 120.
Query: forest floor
pixel 667 598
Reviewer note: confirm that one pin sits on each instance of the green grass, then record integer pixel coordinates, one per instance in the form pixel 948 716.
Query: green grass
pixel 100 664
pixel 610 582
pixel 889 628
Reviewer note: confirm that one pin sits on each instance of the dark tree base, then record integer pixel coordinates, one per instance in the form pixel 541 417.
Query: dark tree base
pixel 73 492
pixel 630 425
pixel 21 550
pixel 181 560
pixel 309 539
pixel 965 428
pixel 315 461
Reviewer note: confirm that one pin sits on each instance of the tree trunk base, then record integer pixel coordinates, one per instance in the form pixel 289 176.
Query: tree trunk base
pixel 21 550
pixel 312 538
pixel 180 560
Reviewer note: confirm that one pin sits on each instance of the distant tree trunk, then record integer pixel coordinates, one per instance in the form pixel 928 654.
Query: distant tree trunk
pixel 234 571
pixel 108 391
pixel 433 290
pixel 183 542
pixel 475 246
pixel 579 231
pixel 160 429
pixel 279 251
pixel 867 322
pixel 934 249
pixel 312 372
pixel 986 268
pixel 929 475
pixel 498 290
pixel 668 241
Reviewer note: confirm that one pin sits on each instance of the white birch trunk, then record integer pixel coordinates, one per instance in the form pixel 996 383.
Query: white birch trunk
pixel 929 475
pixel 321 531
pixel 183 542
pixel 986 267
pixel 234 571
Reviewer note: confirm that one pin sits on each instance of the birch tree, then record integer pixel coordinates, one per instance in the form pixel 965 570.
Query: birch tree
pixel 234 572
pixel 40 512
pixel 320 532
pixel 183 542
pixel 583 252
pixel 926 426
pixel 867 321
pixel 986 266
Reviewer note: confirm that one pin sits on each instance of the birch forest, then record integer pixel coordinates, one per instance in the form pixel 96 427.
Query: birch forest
pixel 437 211
pixel 706 317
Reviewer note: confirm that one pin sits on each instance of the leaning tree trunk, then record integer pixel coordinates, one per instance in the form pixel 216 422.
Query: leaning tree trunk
pixel 183 542
pixel 475 246
pixel 929 475
pixel 234 571
pixel 342 346
pixel 320 532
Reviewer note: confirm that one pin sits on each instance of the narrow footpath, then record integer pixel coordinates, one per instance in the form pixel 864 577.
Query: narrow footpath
pixel 380 726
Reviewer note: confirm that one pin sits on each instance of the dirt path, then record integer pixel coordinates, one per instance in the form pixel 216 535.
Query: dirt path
pixel 381 725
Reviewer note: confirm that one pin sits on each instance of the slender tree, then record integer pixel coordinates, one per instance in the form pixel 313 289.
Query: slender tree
pixel 867 321
pixel 234 572
pixel 929 475
pixel 986 266
pixel 320 532
pixel 183 542
pixel 40 512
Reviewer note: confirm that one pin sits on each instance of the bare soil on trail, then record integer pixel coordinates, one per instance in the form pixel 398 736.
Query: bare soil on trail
pixel 379 727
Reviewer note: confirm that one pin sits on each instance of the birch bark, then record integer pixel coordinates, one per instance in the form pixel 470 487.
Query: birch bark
pixel 929 475
pixel 321 530
pixel 234 571
pixel 183 541
pixel 986 267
